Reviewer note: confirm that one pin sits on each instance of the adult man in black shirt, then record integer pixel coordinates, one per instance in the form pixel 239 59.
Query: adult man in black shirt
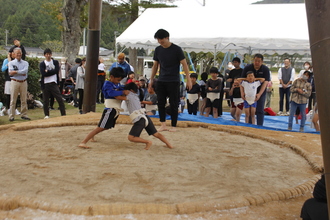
pixel 167 58
pixel 260 71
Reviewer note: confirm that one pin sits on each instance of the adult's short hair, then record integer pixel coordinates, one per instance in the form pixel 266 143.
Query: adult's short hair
pixel 117 72
pixel 236 59
pixel 17 48
pixel 161 34
pixel 259 55
pixel 47 50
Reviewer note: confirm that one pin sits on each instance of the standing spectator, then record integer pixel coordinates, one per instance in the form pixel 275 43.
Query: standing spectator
pixel 4 69
pixel 202 84
pixel 73 77
pixel 17 44
pixel 227 84
pixel 312 98
pixel 260 71
pixel 193 95
pixel 300 91
pixel 80 83
pixel 249 88
pixel 64 73
pixel 49 69
pixel 121 62
pixel 168 57
pixel 213 89
pixel 307 66
pixel 100 81
pixel 286 76
pixel 18 72
pixel 234 74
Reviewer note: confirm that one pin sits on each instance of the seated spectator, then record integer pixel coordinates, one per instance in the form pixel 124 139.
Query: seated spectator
pixel 316 208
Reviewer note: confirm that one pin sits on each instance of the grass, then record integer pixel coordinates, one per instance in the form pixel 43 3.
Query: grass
pixel 37 113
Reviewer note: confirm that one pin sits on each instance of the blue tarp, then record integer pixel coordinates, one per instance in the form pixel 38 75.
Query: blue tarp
pixel 277 123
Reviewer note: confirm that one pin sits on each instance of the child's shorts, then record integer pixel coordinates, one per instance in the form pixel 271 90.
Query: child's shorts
pixel 140 125
pixel 108 119
pixel 247 105
pixel 214 104
pixel 240 105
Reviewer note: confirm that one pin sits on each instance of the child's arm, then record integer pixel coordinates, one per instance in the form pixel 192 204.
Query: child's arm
pixel 147 102
pixel 242 92
pixel 260 79
pixel 241 79
pixel 122 97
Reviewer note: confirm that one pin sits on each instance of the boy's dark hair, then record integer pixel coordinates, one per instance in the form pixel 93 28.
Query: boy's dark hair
pixel 131 86
pixel 117 72
pixel 161 34
pixel 204 76
pixel 249 72
pixel 194 75
pixel 77 60
pixel 214 70
pixel 47 50
pixel 236 59
pixel 259 55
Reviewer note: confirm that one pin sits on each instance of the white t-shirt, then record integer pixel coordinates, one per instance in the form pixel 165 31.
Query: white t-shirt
pixel 250 90
pixel 50 66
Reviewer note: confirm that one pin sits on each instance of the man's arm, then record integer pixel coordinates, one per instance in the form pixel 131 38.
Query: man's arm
pixel 153 73
pixel 186 71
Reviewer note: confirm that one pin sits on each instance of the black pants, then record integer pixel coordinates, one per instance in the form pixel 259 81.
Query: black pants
pixel 52 89
pixel 170 90
pixel 100 82
pixel 81 98
pixel 192 108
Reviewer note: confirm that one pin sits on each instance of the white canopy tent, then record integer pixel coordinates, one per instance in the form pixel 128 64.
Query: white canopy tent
pixel 275 28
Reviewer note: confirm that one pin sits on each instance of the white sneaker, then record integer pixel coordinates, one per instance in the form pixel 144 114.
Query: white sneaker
pixel 46 117
pixel 17 112
pixel 4 111
pixel 280 113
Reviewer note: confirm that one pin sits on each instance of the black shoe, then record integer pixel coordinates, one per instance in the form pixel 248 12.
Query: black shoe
pixel 25 118
pixel 76 105
pixel 11 119
pixel 80 111
pixel 51 108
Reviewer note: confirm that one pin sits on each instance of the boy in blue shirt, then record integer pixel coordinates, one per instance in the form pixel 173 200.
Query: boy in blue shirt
pixel 113 95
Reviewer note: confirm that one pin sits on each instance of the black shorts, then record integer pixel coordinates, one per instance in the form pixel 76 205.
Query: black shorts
pixel 108 119
pixel 140 125
pixel 214 104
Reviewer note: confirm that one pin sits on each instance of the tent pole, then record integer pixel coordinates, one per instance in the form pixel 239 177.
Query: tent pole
pixel 318 13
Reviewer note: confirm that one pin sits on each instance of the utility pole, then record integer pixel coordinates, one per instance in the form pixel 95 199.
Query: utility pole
pixel 116 52
pixel 319 39
pixel 92 58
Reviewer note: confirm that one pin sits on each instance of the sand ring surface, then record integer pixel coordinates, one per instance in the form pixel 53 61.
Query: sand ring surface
pixel 207 166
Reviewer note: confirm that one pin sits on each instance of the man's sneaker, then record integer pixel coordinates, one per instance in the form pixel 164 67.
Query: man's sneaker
pixel 11 119
pixel 17 112
pixel 25 118
pixel 301 129
pixel 280 113
pixel 46 117
pixel 290 128
pixel 287 114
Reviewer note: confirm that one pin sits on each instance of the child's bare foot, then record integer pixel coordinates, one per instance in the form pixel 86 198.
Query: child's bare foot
pixel 162 128
pixel 148 145
pixel 169 146
pixel 172 129
pixel 83 145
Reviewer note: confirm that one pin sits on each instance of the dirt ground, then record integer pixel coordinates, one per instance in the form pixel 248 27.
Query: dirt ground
pixel 43 171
